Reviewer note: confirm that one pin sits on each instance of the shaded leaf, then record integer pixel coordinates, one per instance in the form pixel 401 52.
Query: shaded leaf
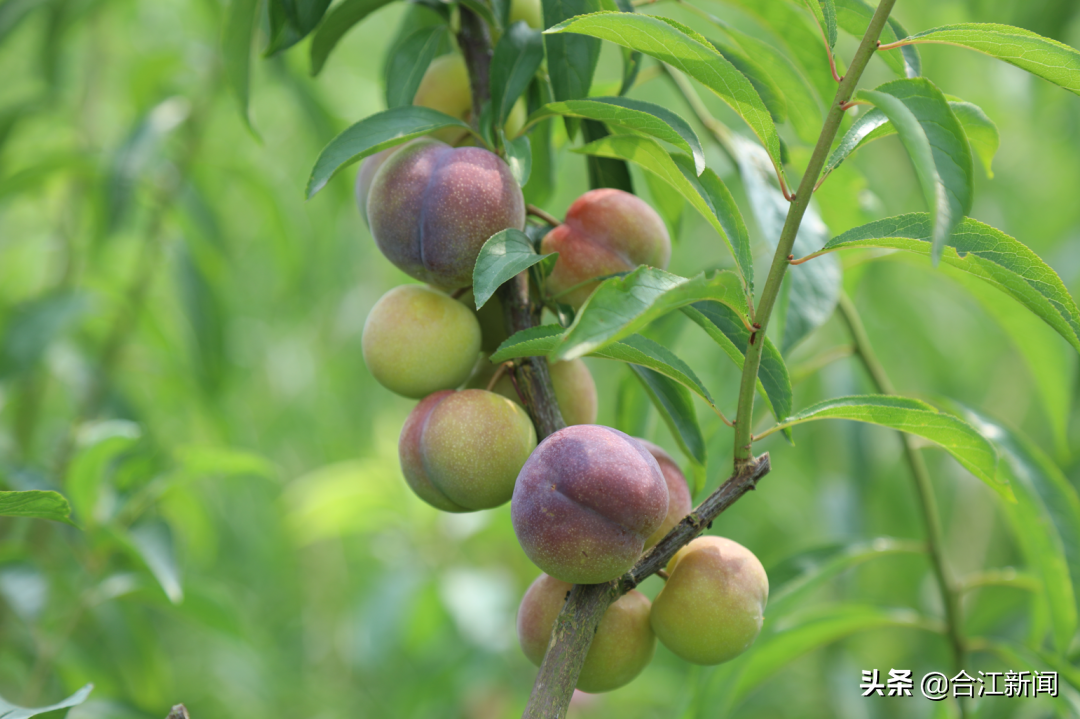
pixel 152 540
pixel 725 327
pixel 33 326
pixel 707 194
pixel 517 58
pixel 518 157
pixel 1049 59
pixel 571 60
pixel 676 408
pixel 981 132
pixel 373 134
pixel 236 50
pixel 916 417
pixel 635 115
pixel 41 504
pixel 984 252
pixel 853 16
pixel 670 43
pixel 621 306
pixel 410 60
pixel 338 22
pixel 502 258
pixel 605 171
pixel 11 711
pixel 938 149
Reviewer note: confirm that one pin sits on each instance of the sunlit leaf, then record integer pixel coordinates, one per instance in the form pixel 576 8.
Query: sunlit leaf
pixel 984 252
pixel 1049 59
pixel 37 503
pixel 622 306
pixel 916 417
pixel 502 257
pixel 11 711
pixel 338 22
pixel 853 16
pixel 153 542
pixel 373 134
pixel 98 445
pixel 668 43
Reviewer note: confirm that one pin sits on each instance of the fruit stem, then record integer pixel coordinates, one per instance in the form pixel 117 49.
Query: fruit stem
pixel 950 592
pixel 537 212
pixel 769 294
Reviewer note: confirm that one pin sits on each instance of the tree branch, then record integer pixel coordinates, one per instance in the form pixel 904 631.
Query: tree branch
pixel 576 624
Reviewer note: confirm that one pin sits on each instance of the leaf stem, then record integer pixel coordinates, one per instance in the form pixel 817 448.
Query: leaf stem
pixel 744 416
pixel 828 47
pixel 950 591
pixel 537 212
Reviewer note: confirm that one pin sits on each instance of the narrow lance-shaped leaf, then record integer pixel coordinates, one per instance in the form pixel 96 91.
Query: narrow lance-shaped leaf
pixel 237 37
pixel 984 252
pixel 763 82
pixel 1049 59
pixel 670 43
pixel 707 193
pixel 824 12
pixel 980 130
pixel 519 157
pixel 517 58
pixel 605 171
pixel 338 22
pixel 621 306
pixel 375 133
pixel 636 115
pixel 915 417
pixel 11 711
pixel 635 349
pixel 853 16
pixel 571 60
pixel 37 503
pixel 1046 519
pixel 406 68
pixel 938 148
pixel 502 257
pixel 813 289
pixel 725 327
pixel 676 408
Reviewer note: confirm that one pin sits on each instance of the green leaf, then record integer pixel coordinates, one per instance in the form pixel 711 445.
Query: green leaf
pixel 33 326
pixel 41 504
pixel 822 627
pixel 236 50
pixel 937 146
pixel 621 306
pixel 763 83
pixel 644 117
pixel 706 194
pixel 668 202
pixel 726 328
pixel 853 16
pixel 518 157
pixel 97 446
pixel 984 252
pixel 915 417
pixel 1049 59
pixel 481 8
pixel 11 711
pixel 814 289
pixel 605 171
pixel 571 60
pixel 794 578
pixel 503 257
pixel 675 406
pixel 633 407
pixel 373 134
pixel 634 349
pixel 1045 519
pixel 824 12
pixel 410 60
pixel 517 58
pixel 338 22
pixel 667 43
pixel 152 541
pixel 981 132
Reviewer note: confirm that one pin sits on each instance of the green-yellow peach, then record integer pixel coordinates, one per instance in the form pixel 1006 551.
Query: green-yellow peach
pixel 622 646
pixel 712 605
pixel 462 451
pixel 575 389
pixel 531 11
pixel 418 340
pixel 445 87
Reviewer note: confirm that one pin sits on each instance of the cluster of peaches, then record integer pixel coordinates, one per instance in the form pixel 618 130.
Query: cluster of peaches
pixel 589 499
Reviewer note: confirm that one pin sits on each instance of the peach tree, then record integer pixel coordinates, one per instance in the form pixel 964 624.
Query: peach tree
pixel 453 182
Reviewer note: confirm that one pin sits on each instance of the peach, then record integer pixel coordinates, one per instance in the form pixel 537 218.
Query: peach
pixel 679 501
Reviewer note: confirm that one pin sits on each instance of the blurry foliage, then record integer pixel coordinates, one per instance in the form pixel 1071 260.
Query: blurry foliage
pixel 180 355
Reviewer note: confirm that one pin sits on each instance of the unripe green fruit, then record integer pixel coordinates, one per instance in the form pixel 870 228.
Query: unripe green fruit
pixel 586 501
pixel 575 389
pixel 445 87
pixel 711 607
pixel 531 11
pixel 418 340
pixel 432 207
pixel 462 451
pixel 606 231
pixel 622 646
pixel 679 501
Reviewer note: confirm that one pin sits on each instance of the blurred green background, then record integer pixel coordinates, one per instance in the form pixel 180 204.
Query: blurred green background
pixel 180 354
